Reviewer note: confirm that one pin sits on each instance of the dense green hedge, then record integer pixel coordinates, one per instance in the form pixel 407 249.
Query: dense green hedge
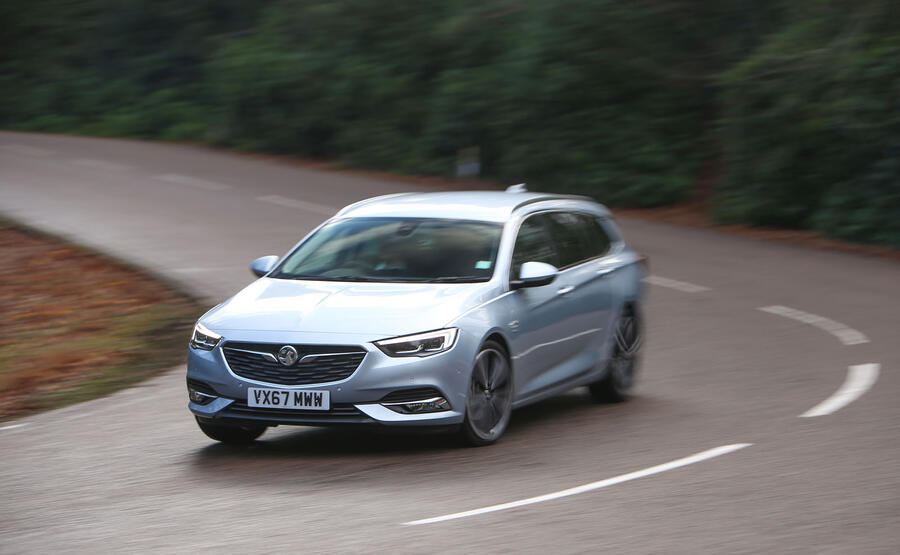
pixel 623 101
pixel 811 125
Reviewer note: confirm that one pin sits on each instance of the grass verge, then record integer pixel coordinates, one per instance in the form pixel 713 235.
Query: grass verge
pixel 78 325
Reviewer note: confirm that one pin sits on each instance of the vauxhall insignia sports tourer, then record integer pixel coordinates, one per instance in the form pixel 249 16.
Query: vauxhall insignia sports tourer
pixel 445 309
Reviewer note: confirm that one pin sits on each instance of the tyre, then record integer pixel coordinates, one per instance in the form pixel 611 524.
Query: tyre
pixel 231 434
pixel 618 381
pixel 489 399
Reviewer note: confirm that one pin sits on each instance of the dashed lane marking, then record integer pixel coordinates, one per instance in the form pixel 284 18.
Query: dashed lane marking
pixel 301 204
pixel 199 270
pixel 860 378
pixel 196 182
pixel 846 334
pixel 25 150
pixel 100 164
pixel 682 286
pixel 702 456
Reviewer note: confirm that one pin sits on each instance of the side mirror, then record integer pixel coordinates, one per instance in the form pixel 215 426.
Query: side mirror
pixel 264 265
pixel 535 274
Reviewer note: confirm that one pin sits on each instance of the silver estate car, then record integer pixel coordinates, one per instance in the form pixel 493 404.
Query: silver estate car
pixel 446 310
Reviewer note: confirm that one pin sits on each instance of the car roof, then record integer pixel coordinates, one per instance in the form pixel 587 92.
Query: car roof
pixel 492 206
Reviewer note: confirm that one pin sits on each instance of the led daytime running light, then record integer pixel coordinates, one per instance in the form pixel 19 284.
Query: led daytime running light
pixel 420 344
pixel 204 338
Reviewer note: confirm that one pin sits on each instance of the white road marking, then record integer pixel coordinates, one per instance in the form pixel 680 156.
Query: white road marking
pixel 682 286
pixel 200 270
pixel 860 378
pixel 204 184
pixel 76 412
pixel 301 204
pixel 26 150
pixel 847 335
pixel 103 409
pixel 702 456
pixel 100 164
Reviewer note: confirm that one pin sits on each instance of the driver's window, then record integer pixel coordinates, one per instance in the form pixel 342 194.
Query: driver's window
pixel 532 245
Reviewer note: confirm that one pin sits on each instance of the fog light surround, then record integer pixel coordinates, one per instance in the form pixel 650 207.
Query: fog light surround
pixel 199 397
pixel 434 404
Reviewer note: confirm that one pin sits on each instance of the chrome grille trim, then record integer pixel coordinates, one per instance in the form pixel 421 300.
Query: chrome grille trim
pixel 257 363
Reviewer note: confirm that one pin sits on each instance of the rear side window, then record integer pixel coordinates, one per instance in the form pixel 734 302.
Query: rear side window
pixel 572 237
pixel 599 238
pixel 609 226
pixel 533 244
pixel 579 237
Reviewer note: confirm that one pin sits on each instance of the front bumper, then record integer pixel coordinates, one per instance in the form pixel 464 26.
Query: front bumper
pixel 356 400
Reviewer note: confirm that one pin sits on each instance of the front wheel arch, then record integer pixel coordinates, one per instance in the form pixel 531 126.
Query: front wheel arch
pixel 470 431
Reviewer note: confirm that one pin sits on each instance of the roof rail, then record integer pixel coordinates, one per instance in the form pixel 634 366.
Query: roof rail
pixel 547 197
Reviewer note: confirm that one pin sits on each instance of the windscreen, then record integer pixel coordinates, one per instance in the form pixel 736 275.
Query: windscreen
pixel 396 250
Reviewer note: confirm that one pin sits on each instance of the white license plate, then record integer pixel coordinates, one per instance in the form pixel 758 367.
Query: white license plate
pixel 288 399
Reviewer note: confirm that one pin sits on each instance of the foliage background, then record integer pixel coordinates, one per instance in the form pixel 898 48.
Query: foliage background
pixel 792 106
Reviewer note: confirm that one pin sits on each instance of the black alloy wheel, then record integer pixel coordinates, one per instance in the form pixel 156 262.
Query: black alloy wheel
pixel 617 383
pixel 489 400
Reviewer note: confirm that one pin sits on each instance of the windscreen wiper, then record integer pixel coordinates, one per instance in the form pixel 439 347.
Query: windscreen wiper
pixel 455 279
pixel 324 278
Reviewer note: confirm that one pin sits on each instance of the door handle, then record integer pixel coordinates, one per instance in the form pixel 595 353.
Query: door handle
pixel 606 271
pixel 565 290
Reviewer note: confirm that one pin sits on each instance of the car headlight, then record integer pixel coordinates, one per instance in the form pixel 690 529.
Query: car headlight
pixel 420 344
pixel 204 338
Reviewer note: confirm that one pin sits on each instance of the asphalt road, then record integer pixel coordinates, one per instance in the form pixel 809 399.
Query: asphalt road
pixel 132 473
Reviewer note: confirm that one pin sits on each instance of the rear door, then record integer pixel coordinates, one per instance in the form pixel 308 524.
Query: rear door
pixel 590 296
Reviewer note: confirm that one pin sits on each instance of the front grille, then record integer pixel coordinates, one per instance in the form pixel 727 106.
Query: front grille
pixel 414 394
pixel 317 364
pixel 339 414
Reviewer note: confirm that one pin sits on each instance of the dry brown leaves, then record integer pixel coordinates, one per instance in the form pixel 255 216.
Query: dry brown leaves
pixel 59 309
